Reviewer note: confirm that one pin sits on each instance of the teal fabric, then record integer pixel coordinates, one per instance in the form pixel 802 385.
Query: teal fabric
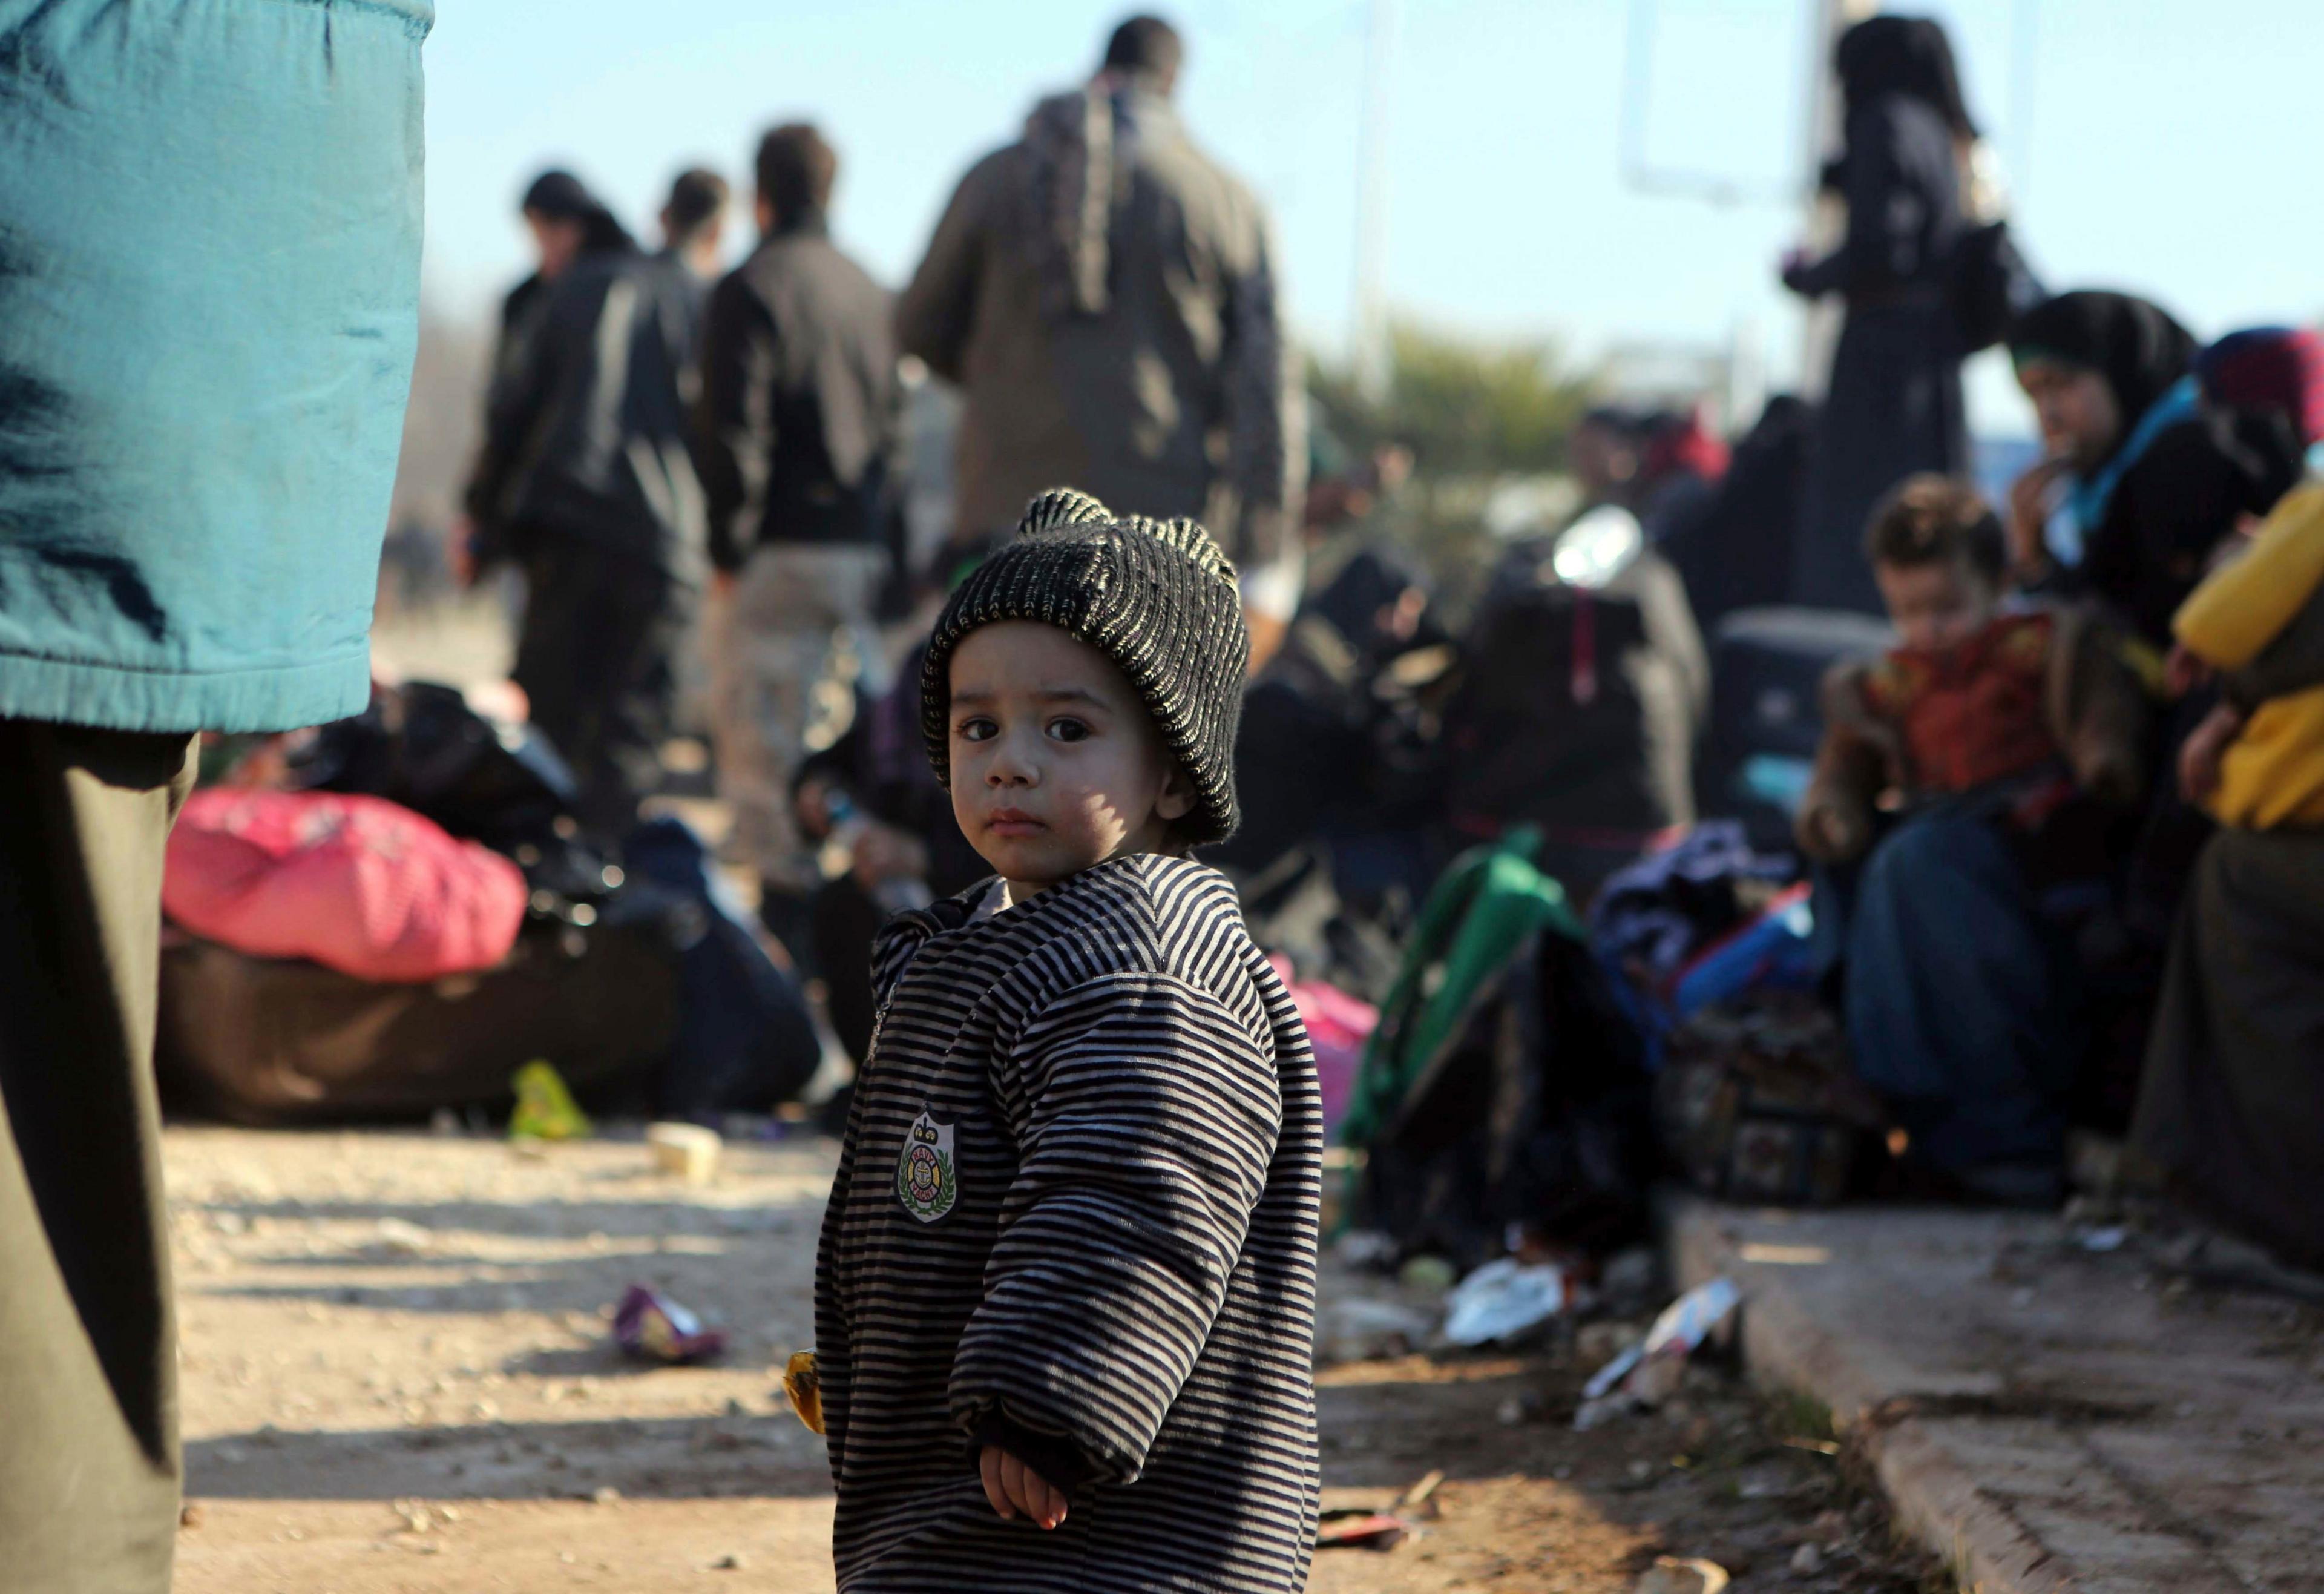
pixel 209 274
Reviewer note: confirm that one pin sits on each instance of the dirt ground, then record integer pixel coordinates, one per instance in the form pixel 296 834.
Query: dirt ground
pixel 397 1376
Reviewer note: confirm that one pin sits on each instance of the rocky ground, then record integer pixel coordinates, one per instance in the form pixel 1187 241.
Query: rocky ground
pixel 398 1377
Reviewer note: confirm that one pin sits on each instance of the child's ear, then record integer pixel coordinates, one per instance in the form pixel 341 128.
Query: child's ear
pixel 1178 797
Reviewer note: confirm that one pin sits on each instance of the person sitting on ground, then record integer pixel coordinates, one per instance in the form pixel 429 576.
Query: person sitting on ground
pixel 2151 476
pixel 2231 1104
pixel 1680 467
pixel 2136 491
pixel 1981 725
pixel 1735 551
pixel 1074 1230
pixel 1322 731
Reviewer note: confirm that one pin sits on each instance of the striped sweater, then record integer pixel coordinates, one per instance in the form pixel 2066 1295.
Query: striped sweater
pixel 1075 1216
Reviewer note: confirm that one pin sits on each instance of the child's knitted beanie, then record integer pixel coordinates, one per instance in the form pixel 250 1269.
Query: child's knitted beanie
pixel 1157 597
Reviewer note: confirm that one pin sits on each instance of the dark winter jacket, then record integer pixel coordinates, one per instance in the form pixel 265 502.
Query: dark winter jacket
pixel 2162 521
pixel 1076 1217
pixel 799 397
pixel 588 430
pixel 1113 321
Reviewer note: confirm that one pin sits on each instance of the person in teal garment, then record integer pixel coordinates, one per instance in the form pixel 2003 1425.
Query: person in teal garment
pixel 208 306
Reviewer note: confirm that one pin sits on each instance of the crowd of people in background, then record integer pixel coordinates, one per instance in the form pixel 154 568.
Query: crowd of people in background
pixel 2009 804
pixel 2057 779
pixel 632 432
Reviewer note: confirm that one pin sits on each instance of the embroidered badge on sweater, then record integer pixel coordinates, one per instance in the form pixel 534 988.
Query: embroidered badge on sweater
pixel 924 1173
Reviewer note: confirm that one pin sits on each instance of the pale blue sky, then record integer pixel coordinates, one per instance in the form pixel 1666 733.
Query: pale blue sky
pixel 2170 148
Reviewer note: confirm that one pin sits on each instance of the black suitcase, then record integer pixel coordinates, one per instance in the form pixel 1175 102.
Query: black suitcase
pixel 1574 716
pixel 1768 667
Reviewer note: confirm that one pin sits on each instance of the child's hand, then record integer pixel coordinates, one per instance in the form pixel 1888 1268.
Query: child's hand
pixel 2200 754
pixel 2183 670
pixel 1017 1490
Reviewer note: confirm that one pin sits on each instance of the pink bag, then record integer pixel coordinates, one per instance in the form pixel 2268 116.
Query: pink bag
pixel 1338 1026
pixel 357 884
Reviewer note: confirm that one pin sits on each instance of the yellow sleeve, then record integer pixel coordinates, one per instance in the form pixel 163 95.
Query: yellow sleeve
pixel 2239 607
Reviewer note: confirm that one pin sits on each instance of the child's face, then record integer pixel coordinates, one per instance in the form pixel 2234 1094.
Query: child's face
pixel 1936 605
pixel 1055 763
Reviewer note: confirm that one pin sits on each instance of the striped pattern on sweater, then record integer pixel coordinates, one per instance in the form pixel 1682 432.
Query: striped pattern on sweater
pixel 1119 1281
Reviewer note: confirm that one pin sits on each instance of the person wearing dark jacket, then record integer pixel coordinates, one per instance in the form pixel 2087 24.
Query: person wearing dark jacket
pixel 586 480
pixel 2138 488
pixel 1735 552
pixel 564 219
pixel 2142 487
pixel 797 417
pixel 694 224
pixel 2231 1101
pixel 1105 296
pixel 1894 403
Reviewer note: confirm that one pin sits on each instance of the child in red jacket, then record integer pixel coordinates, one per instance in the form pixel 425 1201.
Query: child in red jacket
pixel 2023 706
pixel 1961 991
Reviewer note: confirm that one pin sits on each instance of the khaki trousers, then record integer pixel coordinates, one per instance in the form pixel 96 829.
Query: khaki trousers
pixel 786 652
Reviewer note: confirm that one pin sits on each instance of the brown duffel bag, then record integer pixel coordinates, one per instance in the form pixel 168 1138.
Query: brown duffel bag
pixel 266 1040
pixel 1756 1103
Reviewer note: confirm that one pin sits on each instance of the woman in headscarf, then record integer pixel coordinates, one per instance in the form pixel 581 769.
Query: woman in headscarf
pixel 1894 403
pixel 2146 480
pixel 2139 487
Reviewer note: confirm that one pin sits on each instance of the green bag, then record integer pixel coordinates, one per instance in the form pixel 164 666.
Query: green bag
pixel 1486 909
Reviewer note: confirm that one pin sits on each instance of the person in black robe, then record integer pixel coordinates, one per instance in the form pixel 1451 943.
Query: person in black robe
pixel 2141 484
pixel 1894 403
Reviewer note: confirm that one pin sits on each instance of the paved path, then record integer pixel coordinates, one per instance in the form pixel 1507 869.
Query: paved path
pixel 2050 1417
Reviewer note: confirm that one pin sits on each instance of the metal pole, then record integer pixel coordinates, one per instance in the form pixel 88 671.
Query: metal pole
pixel 2024 31
pixel 1367 308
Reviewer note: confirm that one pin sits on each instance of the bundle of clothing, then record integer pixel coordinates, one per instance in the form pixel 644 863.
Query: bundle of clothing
pixel 411 911
pixel 1705 922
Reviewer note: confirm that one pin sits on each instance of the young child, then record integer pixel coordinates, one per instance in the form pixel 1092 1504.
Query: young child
pixel 1066 1293
pixel 2021 708
pixel 1961 992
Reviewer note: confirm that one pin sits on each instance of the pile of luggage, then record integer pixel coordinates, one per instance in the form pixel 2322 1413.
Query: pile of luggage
pixel 406 912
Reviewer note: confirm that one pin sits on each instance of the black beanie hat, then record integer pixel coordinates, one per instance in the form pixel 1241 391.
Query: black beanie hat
pixel 559 194
pixel 1156 598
